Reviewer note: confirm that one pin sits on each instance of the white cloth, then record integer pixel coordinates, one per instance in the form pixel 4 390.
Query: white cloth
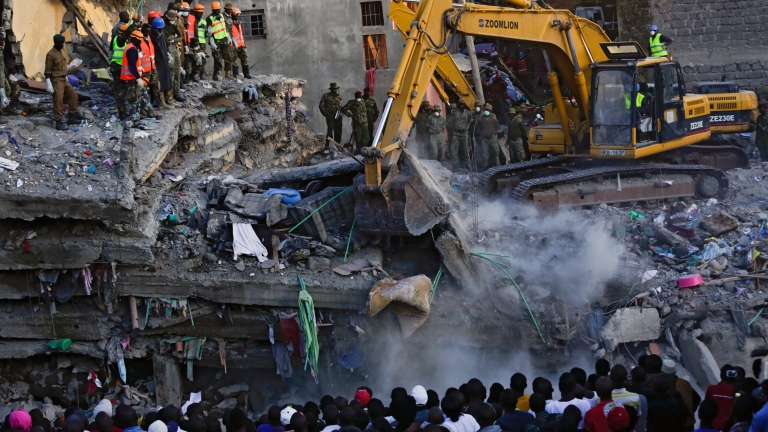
pixel 419 393
pixel 331 428
pixel 557 407
pixel 466 423
pixel 103 406
pixel 246 242
pixel 158 426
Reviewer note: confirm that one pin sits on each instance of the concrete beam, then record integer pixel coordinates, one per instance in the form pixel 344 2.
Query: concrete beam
pixel 167 380
pixel 73 321
pixel 22 349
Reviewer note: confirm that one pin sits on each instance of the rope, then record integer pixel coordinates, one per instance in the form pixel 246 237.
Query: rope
pixel 318 209
pixel 434 284
pixel 527 306
pixel 349 240
pixel 309 326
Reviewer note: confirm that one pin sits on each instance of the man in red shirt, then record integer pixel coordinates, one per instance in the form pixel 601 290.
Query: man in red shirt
pixel 723 394
pixel 596 419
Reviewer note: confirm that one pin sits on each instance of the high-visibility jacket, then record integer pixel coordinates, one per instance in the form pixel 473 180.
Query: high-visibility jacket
pixel 202 27
pixel 237 35
pixel 658 48
pixel 125 70
pixel 117 51
pixel 189 30
pixel 639 98
pixel 148 60
pixel 522 67
pixel 219 27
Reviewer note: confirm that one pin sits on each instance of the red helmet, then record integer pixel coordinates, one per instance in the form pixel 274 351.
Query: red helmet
pixel 153 14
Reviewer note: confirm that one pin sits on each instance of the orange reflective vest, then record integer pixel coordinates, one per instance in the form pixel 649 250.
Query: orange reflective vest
pixel 125 71
pixel 237 35
pixel 148 60
pixel 189 30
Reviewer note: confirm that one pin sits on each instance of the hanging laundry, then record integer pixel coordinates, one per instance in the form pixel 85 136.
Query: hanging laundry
pixel 283 359
pixel 291 334
pixel 246 242
pixel 87 279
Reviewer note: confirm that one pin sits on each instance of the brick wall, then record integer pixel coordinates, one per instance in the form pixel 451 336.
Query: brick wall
pixel 716 37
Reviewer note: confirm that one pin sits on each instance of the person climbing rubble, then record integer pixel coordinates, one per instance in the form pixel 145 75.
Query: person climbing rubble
pixel 238 46
pixel 56 83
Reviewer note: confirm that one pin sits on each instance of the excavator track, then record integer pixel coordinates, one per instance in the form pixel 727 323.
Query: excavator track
pixel 487 181
pixel 718 154
pixel 622 184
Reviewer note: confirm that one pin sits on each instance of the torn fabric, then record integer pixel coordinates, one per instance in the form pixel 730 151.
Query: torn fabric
pixel 246 242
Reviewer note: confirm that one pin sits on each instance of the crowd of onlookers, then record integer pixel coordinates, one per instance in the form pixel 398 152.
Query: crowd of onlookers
pixel 650 397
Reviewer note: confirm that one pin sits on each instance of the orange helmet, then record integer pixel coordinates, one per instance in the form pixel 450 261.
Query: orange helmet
pixel 199 8
pixel 137 34
pixel 123 28
pixel 235 11
pixel 215 5
pixel 153 14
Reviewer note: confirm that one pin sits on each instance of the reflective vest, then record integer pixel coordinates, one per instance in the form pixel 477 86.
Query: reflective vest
pixel 189 30
pixel 639 98
pixel 219 27
pixel 148 59
pixel 117 52
pixel 202 27
pixel 125 71
pixel 522 67
pixel 658 48
pixel 237 35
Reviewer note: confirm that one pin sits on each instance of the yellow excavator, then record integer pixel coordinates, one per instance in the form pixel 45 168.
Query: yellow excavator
pixel 600 146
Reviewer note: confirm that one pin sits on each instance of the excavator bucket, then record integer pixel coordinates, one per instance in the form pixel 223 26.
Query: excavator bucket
pixel 404 205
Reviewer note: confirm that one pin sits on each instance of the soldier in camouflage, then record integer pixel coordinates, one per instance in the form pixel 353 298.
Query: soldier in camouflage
pixel 452 111
pixel 173 36
pixel 194 60
pixel 487 149
pixel 373 111
pixel 515 134
pixel 459 145
pixel 762 131
pixel 435 126
pixel 8 84
pixel 420 124
pixel 358 111
pixel 330 104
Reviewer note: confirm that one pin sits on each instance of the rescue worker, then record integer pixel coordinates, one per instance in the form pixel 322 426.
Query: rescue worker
pixel 10 70
pixel 56 83
pixel 358 111
pixel 330 104
pixel 9 89
pixel 762 131
pixel 220 42
pixel 119 43
pixel 435 128
pixel 487 146
pixel 420 124
pixel 452 111
pixel 459 145
pixel 516 134
pixel 149 67
pixel 658 43
pixel 522 72
pixel 173 37
pixel 238 46
pixel 373 112
pixel 200 30
pixel 194 60
pixel 124 19
pixel 136 96
pixel 165 83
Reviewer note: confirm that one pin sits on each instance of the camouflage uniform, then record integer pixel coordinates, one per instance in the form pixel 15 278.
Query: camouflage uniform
pixel 435 126
pixel 459 146
pixel 193 53
pixel 12 89
pixel 173 37
pixel 421 126
pixel 137 101
pixel 373 114
pixel 762 136
pixel 329 106
pixel 359 113
pixel 515 133
pixel 487 150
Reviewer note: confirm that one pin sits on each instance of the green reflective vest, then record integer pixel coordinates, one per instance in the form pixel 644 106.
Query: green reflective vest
pixel 639 98
pixel 219 27
pixel 117 51
pixel 202 27
pixel 658 48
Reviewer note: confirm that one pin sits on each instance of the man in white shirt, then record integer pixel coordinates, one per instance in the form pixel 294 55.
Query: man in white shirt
pixel 567 385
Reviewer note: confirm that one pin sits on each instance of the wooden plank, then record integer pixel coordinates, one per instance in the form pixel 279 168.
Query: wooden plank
pixel 94 37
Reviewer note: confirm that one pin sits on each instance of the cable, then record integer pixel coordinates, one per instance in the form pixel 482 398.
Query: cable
pixel 349 239
pixel 318 209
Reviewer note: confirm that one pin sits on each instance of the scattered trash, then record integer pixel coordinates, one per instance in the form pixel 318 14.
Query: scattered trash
pixel 8 164
pixel 89 188
pixel 690 281
pixel 141 134
pixel 19 183
pixel 108 161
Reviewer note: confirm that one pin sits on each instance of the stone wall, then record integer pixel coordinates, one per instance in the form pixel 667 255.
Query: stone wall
pixel 716 37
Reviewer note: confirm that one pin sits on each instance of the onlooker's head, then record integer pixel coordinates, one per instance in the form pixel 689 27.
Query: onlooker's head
pixel 170 413
pixel 653 364
pixel 518 383
pixel 381 424
pixel 707 413
pixel 495 393
pixel 363 396
pixel 196 423
pixel 742 409
pixel 543 386
pixel 619 419
pixel 125 417
pixel 580 375
pixel 508 400
pixel 604 388
pixel 452 406
pixel 362 419
pixel 757 366
pixel 36 414
pixel 475 391
pixel 618 375
pixel 433 400
pixel 376 409
pixel 286 414
pixel 273 415
pixel 341 402
pixel 325 401
pixel 331 415
pixel 103 422
pixel 602 367
pixel 20 421
pixel 537 403
pixel 404 411
pixel 237 419
pixel 638 375
pixel 148 419
pixel 641 360
pixel 298 422
pixel 485 415
pixel 573 412
pixel 419 394
pixel 347 417
pixel 728 374
pixel 435 416
pixel 566 384
pixel 158 426
pixel 311 408
pixel 398 392
pixel 195 409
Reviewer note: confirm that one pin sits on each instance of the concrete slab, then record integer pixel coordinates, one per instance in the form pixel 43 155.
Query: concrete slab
pixel 167 380
pixel 632 325
pixel 698 359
